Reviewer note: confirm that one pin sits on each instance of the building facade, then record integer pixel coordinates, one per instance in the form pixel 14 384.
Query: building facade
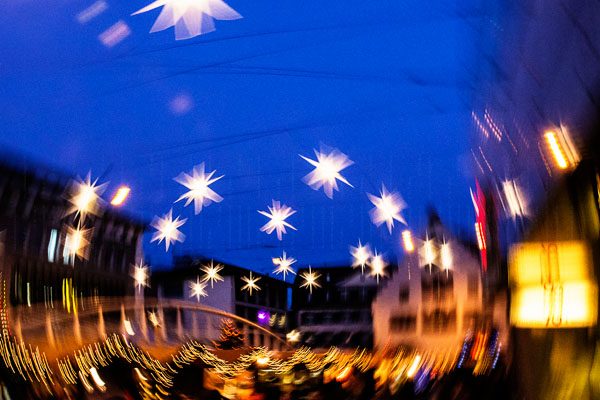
pixel 339 312
pixel 38 268
pixel 434 298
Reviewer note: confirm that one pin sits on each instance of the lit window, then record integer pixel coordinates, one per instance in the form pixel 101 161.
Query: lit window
pixel 52 245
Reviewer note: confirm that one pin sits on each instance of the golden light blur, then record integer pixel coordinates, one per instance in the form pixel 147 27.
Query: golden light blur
pixel 556 149
pixel 120 196
pixel 553 285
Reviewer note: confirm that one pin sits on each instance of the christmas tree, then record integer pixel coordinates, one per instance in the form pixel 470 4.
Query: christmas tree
pixel 231 337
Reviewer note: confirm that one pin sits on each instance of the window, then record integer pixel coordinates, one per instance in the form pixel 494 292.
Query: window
pixel 68 254
pixel 439 321
pixel 404 294
pixel 52 245
pixel 437 285
pixel 404 323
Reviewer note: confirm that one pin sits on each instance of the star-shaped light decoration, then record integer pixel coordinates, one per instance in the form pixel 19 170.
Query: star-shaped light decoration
pixel 197 289
pixel 77 241
pixel 211 273
pixel 361 256
pixel 166 229
pixel 153 318
pixel 446 256
pixel 377 265
pixel 428 252
pixel 140 275
pixel 85 197
pixel 199 192
pixel 387 208
pixel 250 283
pixel 310 279
pixel 284 265
pixel 189 17
pixel 278 215
pixel 327 170
pixel 293 336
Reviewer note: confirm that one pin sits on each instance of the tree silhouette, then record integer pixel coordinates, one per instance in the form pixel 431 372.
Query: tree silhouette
pixel 231 337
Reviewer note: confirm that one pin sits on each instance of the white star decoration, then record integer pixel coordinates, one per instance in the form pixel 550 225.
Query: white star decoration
pixel 140 275
pixel 310 279
pixel 327 170
pixel 377 265
pixel 212 273
pixel 387 208
pixel 361 255
pixel 85 197
pixel 166 228
pixel 284 265
pixel 189 17
pixel 278 214
pixel 197 289
pixel 199 192
pixel 250 283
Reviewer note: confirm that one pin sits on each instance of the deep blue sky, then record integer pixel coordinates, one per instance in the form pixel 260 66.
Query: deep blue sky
pixel 386 82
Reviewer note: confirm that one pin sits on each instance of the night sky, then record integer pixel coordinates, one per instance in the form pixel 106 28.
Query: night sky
pixel 389 83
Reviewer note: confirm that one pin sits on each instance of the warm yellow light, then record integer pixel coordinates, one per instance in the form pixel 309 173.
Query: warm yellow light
pixel 480 238
pixel 284 265
pixel 293 336
pixel 344 374
pixel 128 328
pixel 99 382
pixel 377 265
pixel 197 289
pixel 556 149
pixel 428 251
pixel 408 243
pixel 361 255
pixel 212 273
pixel 120 196
pixel 310 279
pixel 262 361
pixel 547 262
pixel 413 368
pixel 567 305
pixel 153 319
pixel 250 283
pixel 446 256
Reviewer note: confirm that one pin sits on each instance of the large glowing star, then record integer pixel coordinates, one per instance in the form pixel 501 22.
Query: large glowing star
pixel 211 273
pixel 327 171
pixel 197 289
pixel 189 17
pixel 377 265
pixel 387 208
pixel 140 275
pixel 85 197
pixel 284 265
pixel 250 283
pixel 278 215
pixel 199 192
pixel 310 279
pixel 166 229
pixel 361 255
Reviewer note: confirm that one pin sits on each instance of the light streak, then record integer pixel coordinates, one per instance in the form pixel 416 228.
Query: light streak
pixel 120 196
pixel 408 243
pixel 556 149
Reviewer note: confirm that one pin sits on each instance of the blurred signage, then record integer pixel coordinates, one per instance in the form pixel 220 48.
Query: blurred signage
pixel 553 285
